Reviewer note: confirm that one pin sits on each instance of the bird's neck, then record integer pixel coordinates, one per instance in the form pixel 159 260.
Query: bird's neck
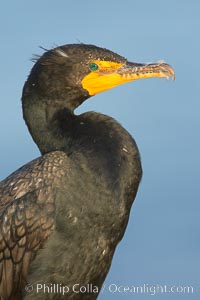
pixel 50 125
pixel 95 141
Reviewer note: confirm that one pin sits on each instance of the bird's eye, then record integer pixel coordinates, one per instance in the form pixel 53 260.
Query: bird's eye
pixel 93 66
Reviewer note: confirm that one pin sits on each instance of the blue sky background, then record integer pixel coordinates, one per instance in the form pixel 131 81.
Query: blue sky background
pixel 162 241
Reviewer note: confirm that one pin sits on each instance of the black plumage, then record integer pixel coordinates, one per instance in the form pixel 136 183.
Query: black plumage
pixel 63 214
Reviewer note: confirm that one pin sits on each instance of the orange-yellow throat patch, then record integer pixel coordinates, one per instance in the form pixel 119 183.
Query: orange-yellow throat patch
pixel 104 78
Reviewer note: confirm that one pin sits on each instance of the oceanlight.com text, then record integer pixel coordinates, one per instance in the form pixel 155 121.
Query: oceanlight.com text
pixel 148 289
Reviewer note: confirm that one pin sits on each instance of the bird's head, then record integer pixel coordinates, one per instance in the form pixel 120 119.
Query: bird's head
pixel 73 73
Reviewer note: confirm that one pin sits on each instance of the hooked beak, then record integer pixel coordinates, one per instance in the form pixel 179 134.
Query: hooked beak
pixel 111 74
pixel 133 71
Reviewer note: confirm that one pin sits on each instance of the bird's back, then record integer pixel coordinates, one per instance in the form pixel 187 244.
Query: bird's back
pixel 27 202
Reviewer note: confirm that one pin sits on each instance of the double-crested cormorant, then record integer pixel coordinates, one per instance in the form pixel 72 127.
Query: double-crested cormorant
pixel 63 214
